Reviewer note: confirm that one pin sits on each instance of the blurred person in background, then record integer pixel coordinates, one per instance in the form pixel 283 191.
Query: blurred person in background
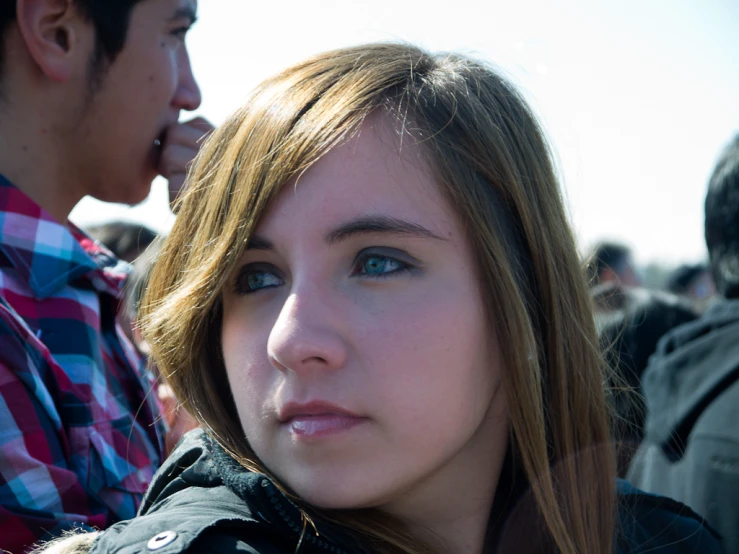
pixel 610 262
pixel 691 386
pixel 90 96
pixel 178 420
pixel 125 239
pixel 692 281
pixel 138 245
pixel 628 333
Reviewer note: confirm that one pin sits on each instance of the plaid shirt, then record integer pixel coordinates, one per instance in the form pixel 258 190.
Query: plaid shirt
pixel 79 431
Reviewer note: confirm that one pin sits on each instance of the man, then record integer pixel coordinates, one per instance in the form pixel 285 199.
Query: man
pixel 90 96
pixel 693 282
pixel 691 386
pixel 611 263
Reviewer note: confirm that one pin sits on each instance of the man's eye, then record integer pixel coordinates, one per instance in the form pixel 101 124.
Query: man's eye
pixel 181 32
pixel 253 280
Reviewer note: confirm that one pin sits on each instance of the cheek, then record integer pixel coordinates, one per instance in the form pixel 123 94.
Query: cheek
pixel 434 349
pixel 247 368
pixel 156 72
pixel 161 86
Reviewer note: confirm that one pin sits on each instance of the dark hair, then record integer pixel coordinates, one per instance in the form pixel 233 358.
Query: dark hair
pixel 680 280
pixel 628 335
pixel 606 255
pixel 722 221
pixel 123 238
pixel 109 17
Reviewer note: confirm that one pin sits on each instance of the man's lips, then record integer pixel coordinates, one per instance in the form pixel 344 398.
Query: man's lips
pixel 156 149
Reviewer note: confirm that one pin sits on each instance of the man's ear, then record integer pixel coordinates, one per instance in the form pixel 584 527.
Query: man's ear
pixel 52 31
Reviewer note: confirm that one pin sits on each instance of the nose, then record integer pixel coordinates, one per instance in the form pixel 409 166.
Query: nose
pixel 187 96
pixel 305 338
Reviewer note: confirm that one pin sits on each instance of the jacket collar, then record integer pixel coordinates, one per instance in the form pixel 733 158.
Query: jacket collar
pixel 48 255
pixel 200 466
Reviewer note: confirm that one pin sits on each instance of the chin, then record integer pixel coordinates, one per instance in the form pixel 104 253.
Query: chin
pixel 333 494
pixel 130 193
pixel 138 199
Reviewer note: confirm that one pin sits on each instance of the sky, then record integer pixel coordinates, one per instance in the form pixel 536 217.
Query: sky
pixel 638 97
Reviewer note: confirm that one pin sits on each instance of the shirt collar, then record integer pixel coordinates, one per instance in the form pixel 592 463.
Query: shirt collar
pixel 49 255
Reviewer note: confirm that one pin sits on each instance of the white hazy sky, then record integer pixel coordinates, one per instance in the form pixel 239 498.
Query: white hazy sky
pixel 638 96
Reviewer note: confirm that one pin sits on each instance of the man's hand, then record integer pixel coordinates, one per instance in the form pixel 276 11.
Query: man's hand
pixel 181 143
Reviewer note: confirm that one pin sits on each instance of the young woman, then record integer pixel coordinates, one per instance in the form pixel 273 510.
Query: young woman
pixel 372 302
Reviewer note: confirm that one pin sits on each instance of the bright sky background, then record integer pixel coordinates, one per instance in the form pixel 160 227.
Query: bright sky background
pixel 638 96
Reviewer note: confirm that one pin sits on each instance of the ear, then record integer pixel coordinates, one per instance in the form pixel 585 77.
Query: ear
pixel 51 30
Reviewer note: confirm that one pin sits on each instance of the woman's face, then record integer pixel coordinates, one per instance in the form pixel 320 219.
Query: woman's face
pixel 359 354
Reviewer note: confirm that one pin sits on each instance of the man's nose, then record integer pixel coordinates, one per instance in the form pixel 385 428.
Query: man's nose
pixel 188 96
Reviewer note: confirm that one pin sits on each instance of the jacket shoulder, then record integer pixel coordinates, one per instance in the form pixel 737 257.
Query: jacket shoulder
pixel 226 541
pixel 188 521
pixel 650 522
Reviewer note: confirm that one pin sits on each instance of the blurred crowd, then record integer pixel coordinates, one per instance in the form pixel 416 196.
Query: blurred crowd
pixel 673 357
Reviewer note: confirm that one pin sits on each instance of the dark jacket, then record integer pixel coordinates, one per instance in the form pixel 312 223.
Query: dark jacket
pixel 202 501
pixel 691 447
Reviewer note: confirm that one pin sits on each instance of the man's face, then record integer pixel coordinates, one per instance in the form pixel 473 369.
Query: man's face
pixel 131 104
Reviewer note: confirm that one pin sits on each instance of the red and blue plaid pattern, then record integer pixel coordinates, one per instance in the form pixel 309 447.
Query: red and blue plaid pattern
pixel 79 426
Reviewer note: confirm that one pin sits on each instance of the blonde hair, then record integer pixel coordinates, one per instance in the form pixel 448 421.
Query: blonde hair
pixel 490 159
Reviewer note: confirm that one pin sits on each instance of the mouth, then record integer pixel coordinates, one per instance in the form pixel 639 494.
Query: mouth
pixel 156 149
pixel 291 410
pixel 322 425
pixel 159 141
pixel 317 419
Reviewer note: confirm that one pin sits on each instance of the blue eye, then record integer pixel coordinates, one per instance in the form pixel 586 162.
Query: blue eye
pixel 377 265
pixel 252 280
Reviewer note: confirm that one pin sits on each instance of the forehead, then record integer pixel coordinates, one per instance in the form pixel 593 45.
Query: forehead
pixel 376 172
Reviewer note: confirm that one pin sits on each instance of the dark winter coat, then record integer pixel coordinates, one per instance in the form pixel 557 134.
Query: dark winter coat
pixel 202 501
pixel 691 446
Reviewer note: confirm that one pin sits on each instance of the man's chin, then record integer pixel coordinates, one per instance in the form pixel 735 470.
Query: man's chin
pixel 138 199
pixel 129 194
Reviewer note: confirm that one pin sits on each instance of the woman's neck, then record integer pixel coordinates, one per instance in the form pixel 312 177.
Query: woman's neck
pixel 453 507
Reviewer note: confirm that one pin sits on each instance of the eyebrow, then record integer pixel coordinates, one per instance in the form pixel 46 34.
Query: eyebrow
pixel 185 12
pixel 379 225
pixel 256 242
pixel 362 226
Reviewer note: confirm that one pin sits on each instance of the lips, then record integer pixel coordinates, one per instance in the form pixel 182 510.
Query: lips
pixel 159 141
pixel 317 419
pixel 292 410
pixel 322 425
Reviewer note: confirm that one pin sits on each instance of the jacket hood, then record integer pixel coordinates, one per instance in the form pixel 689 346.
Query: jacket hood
pixel 693 364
